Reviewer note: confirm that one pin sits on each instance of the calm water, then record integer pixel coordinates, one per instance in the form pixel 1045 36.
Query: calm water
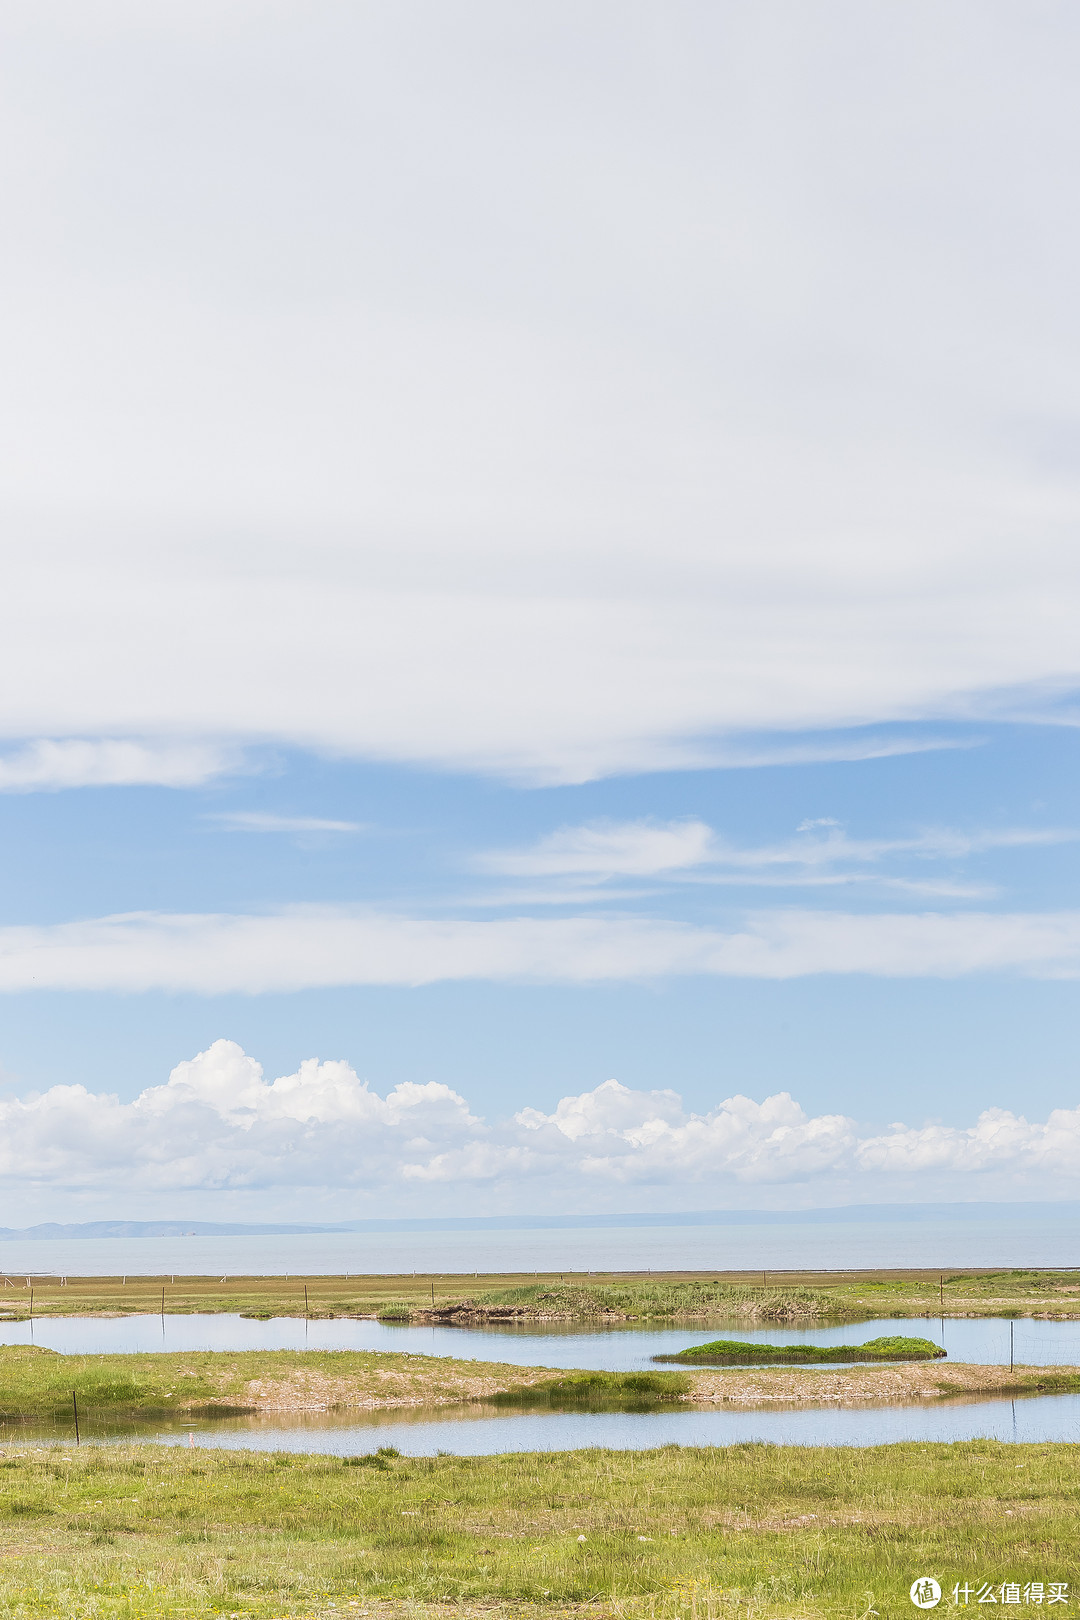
pixel 611 1349
pixel 479 1434
pixel 1020 1240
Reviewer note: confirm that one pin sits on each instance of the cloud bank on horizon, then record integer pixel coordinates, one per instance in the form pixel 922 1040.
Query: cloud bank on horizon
pixel 219 1128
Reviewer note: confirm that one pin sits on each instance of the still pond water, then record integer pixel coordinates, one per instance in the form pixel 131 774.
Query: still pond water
pixel 479 1431
pixel 614 1348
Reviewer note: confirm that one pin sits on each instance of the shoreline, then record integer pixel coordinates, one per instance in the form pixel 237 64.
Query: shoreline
pixel 670 1298
pixel 36 1384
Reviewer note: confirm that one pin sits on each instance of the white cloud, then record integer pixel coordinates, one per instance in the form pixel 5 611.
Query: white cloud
pixel 612 410
pixel 219 1125
pixel 262 821
pixel 304 947
pixel 821 855
pixel 48 764
pixel 605 848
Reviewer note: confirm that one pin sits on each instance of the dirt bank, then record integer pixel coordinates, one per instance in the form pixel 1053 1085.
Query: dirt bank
pixel 308 1389
pixel 874 1386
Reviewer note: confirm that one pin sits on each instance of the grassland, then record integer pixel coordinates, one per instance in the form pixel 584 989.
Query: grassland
pixel 774 1296
pixel 638 1298
pixel 41 1386
pixel 423 1299
pixel 751 1531
pixel 733 1351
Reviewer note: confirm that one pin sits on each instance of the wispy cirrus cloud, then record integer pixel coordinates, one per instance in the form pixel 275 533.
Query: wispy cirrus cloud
pixel 264 821
pixel 604 849
pixel 303 947
pixel 821 854
pixel 47 765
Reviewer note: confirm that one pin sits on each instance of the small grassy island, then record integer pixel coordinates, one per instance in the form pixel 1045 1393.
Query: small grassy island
pixel 727 1352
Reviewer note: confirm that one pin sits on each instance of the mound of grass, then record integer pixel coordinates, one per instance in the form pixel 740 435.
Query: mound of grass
pixel 729 1352
pixel 600 1391
pixel 647 1298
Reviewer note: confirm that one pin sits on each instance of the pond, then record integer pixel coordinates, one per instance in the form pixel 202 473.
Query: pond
pixel 480 1432
pixel 617 1347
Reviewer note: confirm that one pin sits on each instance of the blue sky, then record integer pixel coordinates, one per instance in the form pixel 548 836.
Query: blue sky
pixel 538 656
pixel 984 826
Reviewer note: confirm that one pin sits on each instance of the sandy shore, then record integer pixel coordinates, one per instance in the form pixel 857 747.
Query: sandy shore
pixel 308 1389
pixel 892 1385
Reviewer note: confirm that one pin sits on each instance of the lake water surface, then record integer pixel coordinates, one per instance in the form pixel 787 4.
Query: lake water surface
pixel 1023 1238
pixel 616 1348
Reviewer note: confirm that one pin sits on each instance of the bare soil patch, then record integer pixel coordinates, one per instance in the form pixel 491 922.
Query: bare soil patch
pixel 865 1386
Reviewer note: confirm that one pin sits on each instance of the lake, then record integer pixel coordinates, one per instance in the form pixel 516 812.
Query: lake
pixel 616 1347
pixel 479 1431
pixel 1023 1239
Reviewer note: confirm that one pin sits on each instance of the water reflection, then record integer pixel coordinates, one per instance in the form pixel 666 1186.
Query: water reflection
pixel 616 1347
pixel 475 1431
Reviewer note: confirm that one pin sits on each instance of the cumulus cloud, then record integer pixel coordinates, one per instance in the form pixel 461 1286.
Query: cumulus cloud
pixel 217 1125
pixel 305 947
pixel 770 437
pixel 48 764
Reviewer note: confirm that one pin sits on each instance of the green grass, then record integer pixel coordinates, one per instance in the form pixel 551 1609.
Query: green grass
pixel 36 1386
pixel 39 1384
pixel 836 1296
pixel 657 1299
pixel 404 1299
pixel 966 1293
pixel 626 1391
pixel 36 1383
pixel 732 1351
pixel 748 1532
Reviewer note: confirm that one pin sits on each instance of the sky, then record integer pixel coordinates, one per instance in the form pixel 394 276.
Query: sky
pixel 539 652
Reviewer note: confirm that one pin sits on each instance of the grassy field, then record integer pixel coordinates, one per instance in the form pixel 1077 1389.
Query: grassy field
pixel 768 1295
pixel 647 1298
pixel 41 1386
pixel 752 1531
pixel 414 1298
pixel 36 1383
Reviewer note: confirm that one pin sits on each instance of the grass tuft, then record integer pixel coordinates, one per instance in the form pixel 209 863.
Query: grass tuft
pixel 607 1391
pixel 732 1352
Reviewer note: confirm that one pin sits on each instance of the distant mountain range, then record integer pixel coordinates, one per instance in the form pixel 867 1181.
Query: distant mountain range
pixel 535 1223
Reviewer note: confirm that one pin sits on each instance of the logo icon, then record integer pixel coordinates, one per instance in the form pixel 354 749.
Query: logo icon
pixel 925 1592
